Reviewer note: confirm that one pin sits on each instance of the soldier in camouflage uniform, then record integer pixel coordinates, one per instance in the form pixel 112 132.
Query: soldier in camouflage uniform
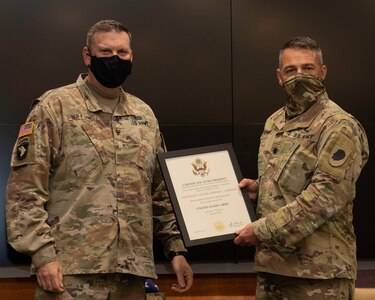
pixel 85 194
pixel 310 157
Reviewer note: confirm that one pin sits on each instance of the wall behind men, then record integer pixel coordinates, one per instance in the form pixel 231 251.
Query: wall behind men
pixel 206 67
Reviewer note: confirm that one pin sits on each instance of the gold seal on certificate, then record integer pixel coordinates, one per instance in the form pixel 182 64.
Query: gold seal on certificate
pixel 203 187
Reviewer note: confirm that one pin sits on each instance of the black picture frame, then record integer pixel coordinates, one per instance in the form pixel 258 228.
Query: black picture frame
pixel 164 158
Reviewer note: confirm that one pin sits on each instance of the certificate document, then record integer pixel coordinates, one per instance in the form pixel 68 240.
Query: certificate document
pixel 203 187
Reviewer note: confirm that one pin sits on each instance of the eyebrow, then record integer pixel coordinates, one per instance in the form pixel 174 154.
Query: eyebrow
pixel 303 65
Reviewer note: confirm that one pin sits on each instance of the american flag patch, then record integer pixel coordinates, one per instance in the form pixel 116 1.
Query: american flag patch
pixel 26 129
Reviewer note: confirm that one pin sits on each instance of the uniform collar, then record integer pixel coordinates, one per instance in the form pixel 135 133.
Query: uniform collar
pixel 303 120
pixel 123 108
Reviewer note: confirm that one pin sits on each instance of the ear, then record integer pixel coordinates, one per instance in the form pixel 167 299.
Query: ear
pixel 323 71
pixel 86 56
pixel 279 77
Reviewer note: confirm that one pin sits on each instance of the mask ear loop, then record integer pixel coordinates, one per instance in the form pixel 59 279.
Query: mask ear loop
pixel 89 55
pixel 89 52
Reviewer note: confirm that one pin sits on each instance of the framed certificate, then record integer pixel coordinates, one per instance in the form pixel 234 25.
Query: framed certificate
pixel 203 187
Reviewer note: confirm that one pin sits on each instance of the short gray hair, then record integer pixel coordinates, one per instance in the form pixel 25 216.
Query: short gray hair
pixel 106 26
pixel 303 42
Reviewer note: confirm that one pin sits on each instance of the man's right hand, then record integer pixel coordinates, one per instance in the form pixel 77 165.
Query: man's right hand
pixel 251 186
pixel 50 277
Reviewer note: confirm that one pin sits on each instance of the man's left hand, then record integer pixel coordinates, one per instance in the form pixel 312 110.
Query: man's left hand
pixel 246 236
pixel 184 274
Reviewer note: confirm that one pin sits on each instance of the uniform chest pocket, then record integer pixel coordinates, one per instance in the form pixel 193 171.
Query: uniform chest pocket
pixel 83 147
pixel 98 133
pixel 296 167
pixel 137 146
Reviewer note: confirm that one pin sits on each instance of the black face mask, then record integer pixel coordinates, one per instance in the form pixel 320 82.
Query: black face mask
pixel 112 71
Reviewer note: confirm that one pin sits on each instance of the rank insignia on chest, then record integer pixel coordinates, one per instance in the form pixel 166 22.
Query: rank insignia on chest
pixel 26 129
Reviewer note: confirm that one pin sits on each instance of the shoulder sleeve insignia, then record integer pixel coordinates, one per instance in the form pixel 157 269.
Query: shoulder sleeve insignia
pixel 338 156
pixel 22 149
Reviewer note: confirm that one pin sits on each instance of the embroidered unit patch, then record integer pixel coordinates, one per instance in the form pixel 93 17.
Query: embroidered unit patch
pixel 22 150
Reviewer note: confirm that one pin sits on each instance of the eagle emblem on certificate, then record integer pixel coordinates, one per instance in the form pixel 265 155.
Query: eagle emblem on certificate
pixel 200 167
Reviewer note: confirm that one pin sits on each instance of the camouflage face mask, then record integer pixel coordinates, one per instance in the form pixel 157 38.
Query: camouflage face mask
pixel 302 92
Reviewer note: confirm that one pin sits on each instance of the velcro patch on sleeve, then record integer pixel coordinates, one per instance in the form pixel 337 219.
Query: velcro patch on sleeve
pixel 26 129
pixel 22 148
pixel 337 155
pixel 24 151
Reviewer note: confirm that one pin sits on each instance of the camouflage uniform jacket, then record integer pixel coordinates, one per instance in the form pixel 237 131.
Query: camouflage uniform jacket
pixel 85 188
pixel 308 167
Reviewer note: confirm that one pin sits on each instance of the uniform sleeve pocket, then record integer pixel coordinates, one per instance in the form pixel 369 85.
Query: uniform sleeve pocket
pixel 337 155
pixel 24 152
